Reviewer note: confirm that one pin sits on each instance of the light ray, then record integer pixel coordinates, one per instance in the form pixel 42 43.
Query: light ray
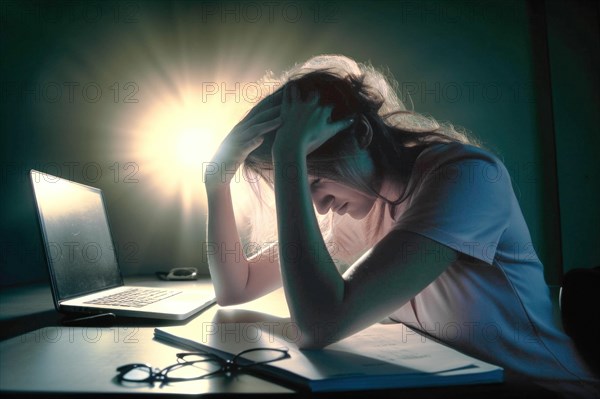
pixel 178 119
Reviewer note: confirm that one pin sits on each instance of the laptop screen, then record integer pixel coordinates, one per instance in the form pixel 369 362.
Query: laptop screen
pixel 78 244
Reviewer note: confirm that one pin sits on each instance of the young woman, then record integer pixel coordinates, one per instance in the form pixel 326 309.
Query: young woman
pixel 441 240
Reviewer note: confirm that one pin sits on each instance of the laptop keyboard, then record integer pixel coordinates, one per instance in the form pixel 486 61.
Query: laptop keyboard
pixel 135 297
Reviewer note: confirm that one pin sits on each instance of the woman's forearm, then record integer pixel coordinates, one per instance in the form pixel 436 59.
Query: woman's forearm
pixel 313 286
pixel 235 278
pixel 226 260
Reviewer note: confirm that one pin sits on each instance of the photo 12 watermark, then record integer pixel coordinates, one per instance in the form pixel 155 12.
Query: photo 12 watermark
pixel 69 92
pixel 82 252
pixel 269 12
pixel 474 332
pixel 237 92
pixel 88 253
pixel 477 251
pixel 90 335
pixel 70 13
pixel 455 13
pixel 264 251
pixel 467 92
pixel 84 172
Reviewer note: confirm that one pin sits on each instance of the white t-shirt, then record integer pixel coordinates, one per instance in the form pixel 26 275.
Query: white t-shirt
pixel 493 304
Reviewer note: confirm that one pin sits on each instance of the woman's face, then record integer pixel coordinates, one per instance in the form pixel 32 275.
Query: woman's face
pixel 340 198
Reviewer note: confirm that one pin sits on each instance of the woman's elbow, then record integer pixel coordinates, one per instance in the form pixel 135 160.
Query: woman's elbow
pixel 228 299
pixel 224 302
pixel 307 344
pixel 317 336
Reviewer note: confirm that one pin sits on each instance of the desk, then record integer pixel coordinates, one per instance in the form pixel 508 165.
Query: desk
pixel 39 357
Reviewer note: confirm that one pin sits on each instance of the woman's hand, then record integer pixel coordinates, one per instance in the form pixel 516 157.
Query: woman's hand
pixel 246 136
pixel 305 125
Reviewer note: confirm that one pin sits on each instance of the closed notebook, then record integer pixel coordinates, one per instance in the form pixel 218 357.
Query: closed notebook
pixel 382 356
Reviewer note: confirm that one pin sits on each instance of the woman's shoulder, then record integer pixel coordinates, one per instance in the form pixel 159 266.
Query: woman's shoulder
pixel 453 160
pixel 439 154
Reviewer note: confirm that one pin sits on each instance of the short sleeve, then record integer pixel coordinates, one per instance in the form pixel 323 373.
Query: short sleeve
pixel 463 204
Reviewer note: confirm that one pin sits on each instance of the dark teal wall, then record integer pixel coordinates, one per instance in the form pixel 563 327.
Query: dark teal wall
pixel 574 54
pixel 478 64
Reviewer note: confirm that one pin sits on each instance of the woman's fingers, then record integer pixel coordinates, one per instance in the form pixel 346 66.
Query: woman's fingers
pixel 252 145
pixel 265 127
pixel 329 130
pixel 313 98
pixel 291 95
pixel 271 101
pixel 340 125
pixel 259 129
pixel 287 95
pixel 266 115
pixel 308 116
pixel 293 104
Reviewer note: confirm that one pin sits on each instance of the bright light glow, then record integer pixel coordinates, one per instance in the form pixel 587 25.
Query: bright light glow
pixel 171 93
pixel 179 135
pixel 173 86
pixel 189 145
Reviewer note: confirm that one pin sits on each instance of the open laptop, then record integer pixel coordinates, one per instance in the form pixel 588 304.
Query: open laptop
pixel 84 271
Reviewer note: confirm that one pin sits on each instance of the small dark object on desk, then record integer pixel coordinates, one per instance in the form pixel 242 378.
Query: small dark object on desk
pixel 178 274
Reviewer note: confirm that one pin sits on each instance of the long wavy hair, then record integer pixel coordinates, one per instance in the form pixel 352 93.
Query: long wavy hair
pixel 360 91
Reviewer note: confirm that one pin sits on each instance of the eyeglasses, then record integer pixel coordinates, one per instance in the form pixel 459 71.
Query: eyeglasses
pixel 198 365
